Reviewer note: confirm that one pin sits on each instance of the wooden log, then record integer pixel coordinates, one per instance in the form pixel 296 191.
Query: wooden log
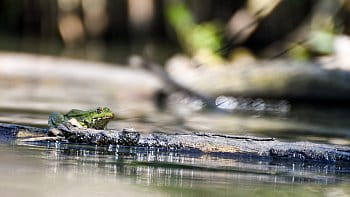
pixel 278 79
pixel 229 146
pixel 12 131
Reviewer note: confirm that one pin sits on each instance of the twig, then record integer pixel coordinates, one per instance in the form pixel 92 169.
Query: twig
pixel 175 86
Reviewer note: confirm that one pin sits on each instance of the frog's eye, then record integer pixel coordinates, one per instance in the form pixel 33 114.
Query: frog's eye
pixel 99 110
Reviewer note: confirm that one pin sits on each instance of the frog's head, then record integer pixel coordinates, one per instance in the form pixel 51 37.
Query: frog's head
pixel 97 119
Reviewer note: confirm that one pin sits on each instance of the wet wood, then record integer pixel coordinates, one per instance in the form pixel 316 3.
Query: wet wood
pixel 10 132
pixel 227 146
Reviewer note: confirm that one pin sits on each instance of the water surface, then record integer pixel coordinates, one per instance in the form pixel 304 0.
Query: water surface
pixel 51 169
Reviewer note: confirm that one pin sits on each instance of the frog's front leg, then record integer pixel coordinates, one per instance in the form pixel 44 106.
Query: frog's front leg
pixel 75 123
pixel 55 119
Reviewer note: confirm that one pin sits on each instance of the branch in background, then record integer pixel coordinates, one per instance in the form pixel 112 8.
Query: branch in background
pixel 304 34
pixel 172 85
pixel 286 50
pixel 244 32
pixel 238 37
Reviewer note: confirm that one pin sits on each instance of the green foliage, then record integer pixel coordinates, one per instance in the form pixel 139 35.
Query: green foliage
pixel 322 41
pixel 299 52
pixel 180 18
pixel 194 37
pixel 205 36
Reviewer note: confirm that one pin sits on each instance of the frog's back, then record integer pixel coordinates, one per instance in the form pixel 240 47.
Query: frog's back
pixel 55 119
pixel 76 112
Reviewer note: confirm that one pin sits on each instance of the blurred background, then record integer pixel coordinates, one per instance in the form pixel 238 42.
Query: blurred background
pixel 112 30
pixel 270 68
pixel 281 64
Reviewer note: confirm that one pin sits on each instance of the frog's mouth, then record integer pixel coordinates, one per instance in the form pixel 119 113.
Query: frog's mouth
pixel 104 118
pixel 101 122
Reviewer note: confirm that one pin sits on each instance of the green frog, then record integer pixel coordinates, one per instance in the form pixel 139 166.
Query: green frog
pixel 96 119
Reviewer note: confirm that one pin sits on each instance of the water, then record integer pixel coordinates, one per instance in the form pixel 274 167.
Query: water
pixel 56 170
pixel 96 171
pixel 28 95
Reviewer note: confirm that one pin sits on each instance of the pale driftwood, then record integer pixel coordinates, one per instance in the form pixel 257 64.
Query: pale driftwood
pixel 279 79
pixel 42 83
pixel 204 143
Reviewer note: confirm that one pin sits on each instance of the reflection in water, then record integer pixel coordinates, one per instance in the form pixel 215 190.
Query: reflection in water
pixel 31 171
pixel 93 171
pixel 159 167
pixel 133 171
pixel 233 104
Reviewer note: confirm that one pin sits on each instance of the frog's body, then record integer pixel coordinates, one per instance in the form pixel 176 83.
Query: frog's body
pixel 96 119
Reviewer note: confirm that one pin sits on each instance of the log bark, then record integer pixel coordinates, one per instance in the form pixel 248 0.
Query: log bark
pixel 228 146
pixel 10 132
